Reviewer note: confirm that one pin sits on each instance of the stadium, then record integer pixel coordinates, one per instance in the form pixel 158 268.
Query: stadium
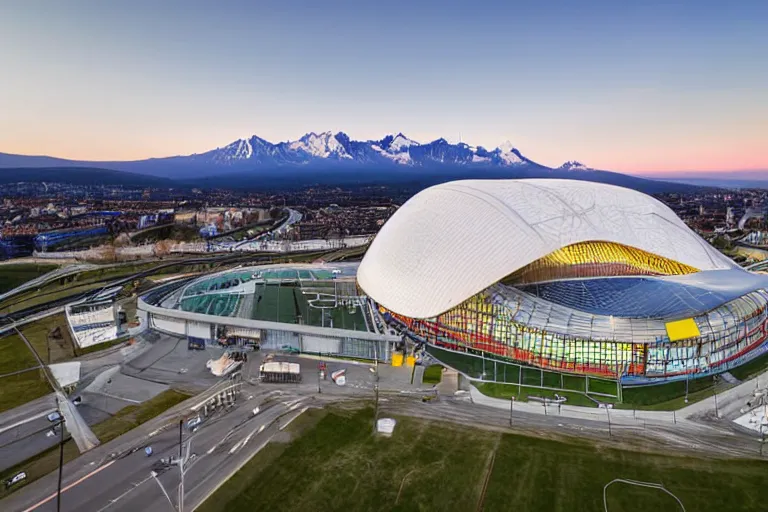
pixel 308 308
pixel 567 278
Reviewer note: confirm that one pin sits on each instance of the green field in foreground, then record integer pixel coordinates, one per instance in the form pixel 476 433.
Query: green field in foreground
pixel 125 420
pixel 13 275
pixel 18 389
pixel 338 464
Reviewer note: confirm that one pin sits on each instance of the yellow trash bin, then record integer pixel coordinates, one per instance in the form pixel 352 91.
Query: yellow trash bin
pixel 410 361
pixel 397 359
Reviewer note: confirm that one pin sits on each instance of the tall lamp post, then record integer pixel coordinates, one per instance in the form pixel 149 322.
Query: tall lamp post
pixel 61 462
pixel 715 380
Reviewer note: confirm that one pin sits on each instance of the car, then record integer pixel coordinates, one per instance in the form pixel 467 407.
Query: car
pixel 194 422
pixel 16 479
pixel 54 417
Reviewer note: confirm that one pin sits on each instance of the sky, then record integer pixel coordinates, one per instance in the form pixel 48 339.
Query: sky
pixel 638 87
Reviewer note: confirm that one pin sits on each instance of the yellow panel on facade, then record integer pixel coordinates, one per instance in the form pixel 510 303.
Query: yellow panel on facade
pixel 682 329
pixel 410 361
pixel 397 359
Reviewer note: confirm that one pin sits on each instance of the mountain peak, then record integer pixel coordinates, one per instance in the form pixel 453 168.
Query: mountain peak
pixel 401 143
pixel 508 154
pixel 573 165
pixel 506 147
pixel 322 145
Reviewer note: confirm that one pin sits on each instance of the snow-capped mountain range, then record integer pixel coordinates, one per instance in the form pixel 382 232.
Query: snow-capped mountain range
pixel 332 153
pixel 327 158
pixel 395 149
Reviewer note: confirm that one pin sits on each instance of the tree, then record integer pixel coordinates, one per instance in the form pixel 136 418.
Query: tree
pixel 162 248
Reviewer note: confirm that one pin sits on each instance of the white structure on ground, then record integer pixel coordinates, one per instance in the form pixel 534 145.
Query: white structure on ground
pixel 92 324
pixel 453 240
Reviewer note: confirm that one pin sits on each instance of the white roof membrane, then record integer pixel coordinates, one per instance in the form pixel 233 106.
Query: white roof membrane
pixel 453 240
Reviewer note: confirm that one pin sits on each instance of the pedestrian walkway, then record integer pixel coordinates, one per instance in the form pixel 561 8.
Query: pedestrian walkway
pixel 615 416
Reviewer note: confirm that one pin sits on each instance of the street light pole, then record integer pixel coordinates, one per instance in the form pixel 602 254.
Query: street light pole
pixel 714 388
pixel 61 462
pixel 511 408
pixel 181 425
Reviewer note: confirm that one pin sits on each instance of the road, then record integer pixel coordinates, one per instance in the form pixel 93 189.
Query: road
pixel 99 481
pixel 221 444
pixel 23 431
pixel 227 440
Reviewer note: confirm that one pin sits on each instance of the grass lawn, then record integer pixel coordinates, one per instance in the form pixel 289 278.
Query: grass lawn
pixel 132 416
pixel 522 393
pixel 661 397
pixel 72 285
pixel 18 389
pixel 336 464
pixel 34 297
pixel 126 419
pixel 14 355
pixel 13 275
pixel 542 475
pixel 433 374
pixel 37 334
pixel 339 465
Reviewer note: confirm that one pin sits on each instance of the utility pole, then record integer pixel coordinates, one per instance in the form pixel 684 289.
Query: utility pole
pixel 61 462
pixel 376 384
pixel 181 425
pixel 608 412
pixel 511 408
pixel 714 388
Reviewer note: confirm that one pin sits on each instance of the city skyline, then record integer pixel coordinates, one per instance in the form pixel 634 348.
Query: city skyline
pixel 648 89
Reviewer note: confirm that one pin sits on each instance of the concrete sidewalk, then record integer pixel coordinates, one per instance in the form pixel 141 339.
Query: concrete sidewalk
pixel 728 403
pixel 617 416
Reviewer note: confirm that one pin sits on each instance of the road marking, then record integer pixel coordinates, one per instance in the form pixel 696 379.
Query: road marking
pixel 234 448
pixel 115 500
pixel 89 475
pixel 293 418
pixel 26 420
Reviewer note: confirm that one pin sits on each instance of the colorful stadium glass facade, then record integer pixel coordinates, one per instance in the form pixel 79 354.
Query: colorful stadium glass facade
pixel 569 276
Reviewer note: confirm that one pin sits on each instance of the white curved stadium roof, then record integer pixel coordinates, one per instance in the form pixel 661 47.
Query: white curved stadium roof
pixel 453 240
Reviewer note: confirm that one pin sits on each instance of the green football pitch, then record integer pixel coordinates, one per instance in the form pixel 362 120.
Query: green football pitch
pixel 288 303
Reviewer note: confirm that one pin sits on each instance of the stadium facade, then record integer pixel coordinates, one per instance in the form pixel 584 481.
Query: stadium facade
pixel 309 308
pixel 568 276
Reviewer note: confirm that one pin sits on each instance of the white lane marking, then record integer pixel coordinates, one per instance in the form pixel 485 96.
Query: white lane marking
pixel 115 500
pixel 294 417
pixel 26 420
pixel 234 448
pixel 49 498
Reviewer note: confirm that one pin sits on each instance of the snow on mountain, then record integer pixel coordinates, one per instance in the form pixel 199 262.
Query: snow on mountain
pixel 324 145
pixel 573 165
pixel 508 154
pixel 254 153
pixel 400 158
pixel 241 149
pixel 397 149
pixel 401 142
